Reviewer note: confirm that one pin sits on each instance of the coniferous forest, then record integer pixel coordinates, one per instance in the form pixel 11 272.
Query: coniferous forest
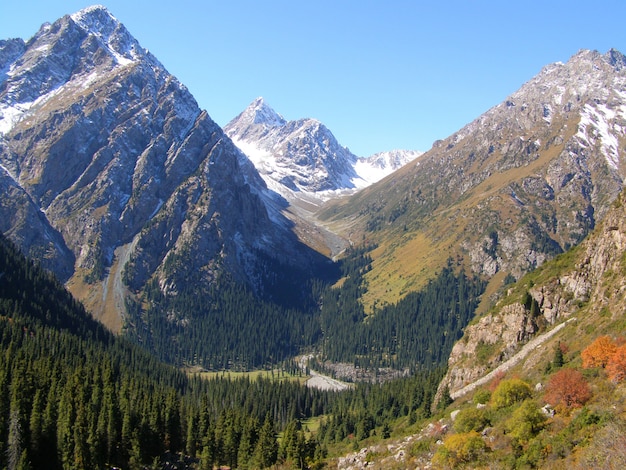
pixel 416 332
pixel 232 328
pixel 74 396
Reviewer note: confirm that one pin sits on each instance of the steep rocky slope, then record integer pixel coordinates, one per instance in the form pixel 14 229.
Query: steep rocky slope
pixel 114 166
pixel 22 221
pixel 564 306
pixel 523 182
pixel 302 156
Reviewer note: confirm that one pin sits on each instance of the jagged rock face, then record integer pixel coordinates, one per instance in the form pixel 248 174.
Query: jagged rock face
pixel 504 331
pixel 111 150
pixel 303 156
pixel 23 222
pixel 601 257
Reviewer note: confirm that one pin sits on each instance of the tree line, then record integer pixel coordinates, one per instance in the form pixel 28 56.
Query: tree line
pixel 231 327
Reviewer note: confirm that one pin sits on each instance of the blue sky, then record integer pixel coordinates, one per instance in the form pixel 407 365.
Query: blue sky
pixel 380 75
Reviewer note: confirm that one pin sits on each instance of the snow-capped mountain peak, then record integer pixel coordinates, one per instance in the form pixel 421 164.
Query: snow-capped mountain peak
pixel 44 67
pixel 302 159
pixel 99 22
pixel 95 18
pixel 299 156
pixel 255 122
pixel 259 112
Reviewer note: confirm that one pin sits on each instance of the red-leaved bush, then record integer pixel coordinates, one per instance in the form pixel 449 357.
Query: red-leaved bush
pixel 567 389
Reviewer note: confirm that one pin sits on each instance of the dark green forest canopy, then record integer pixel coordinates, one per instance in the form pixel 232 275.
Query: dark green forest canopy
pixel 416 332
pixel 232 328
pixel 229 326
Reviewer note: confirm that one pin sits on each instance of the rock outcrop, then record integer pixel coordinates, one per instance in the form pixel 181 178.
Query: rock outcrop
pixel 589 281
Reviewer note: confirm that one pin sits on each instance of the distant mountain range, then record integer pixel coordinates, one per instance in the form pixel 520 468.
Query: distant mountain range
pixel 302 159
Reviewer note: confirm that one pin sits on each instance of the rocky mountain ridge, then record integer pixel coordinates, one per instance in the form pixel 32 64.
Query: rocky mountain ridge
pixel 564 305
pixel 584 287
pixel 526 180
pixel 118 173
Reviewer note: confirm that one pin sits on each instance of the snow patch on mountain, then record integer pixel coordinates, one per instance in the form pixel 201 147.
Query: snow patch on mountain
pixel 6 170
pixel 262 158
pixel 376 167
pixel 10 115
pixel 596 126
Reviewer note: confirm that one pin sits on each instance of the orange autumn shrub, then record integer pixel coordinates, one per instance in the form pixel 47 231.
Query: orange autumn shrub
pixel 598 353
pixel 616 367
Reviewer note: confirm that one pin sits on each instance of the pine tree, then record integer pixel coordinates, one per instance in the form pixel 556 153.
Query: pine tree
pixel 80 435
pixel 266 451
pixel 65 421
pixel 36 426
pixel 558 360
pixel 15 441
pixel 247 443
pixel 191 437
pixel 294 448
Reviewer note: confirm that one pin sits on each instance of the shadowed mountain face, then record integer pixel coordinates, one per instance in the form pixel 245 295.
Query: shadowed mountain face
pixel 524 181
pixel 113 176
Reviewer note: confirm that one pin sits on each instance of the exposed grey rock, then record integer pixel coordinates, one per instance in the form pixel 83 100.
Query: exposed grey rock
pixel 511 331
pixel 23 222
pixel 561 134
pixel 304 154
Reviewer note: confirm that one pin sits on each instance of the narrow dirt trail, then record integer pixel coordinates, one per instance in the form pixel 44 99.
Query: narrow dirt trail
pixel 505 366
